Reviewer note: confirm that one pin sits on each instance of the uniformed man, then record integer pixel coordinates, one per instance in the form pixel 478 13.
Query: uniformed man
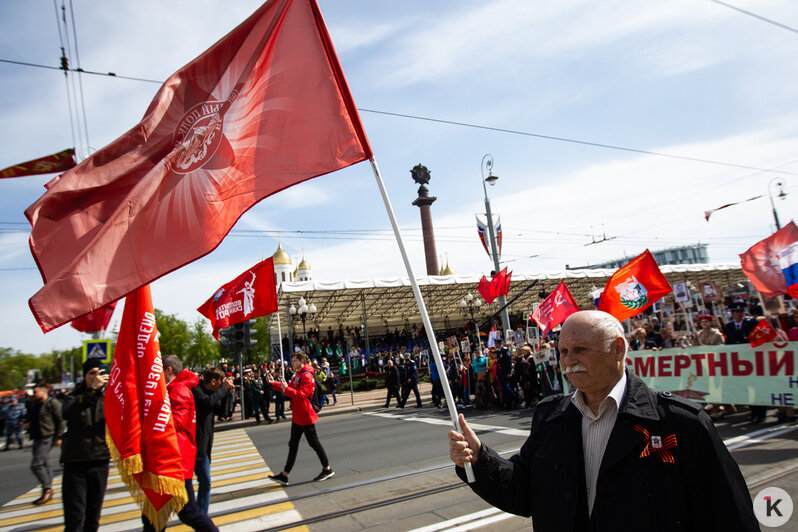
pixel 410 381
pixel 613 455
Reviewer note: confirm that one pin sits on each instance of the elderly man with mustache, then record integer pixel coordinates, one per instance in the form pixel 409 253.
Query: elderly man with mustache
pixel 614 455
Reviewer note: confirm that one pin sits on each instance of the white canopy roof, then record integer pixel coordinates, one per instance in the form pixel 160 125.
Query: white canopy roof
pixel 390 300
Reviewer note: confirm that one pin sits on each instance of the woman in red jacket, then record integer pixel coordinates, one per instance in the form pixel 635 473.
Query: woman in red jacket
pixel 303 417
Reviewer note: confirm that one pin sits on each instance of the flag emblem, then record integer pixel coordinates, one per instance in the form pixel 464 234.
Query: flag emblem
pixel 633 294
pixel 198 136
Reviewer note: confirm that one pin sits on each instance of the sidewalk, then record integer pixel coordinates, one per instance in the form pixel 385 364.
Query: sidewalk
pixel 347 404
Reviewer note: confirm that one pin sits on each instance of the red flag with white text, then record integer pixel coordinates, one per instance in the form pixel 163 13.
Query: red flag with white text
pixel 140 431
pixel 634 287
pixel 553 310
pixel 250 295
pixel 264 108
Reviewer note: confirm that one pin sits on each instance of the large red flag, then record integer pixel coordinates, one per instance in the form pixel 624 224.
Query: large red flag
pixel 761 262
pixel 95 321
pixel 57 162
pixel 139 428
pixel 264 108
pixel 553 310
pixel 634 287
pixel 250 295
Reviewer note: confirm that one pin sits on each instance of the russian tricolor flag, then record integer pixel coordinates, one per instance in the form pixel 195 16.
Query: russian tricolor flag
pixel 788 260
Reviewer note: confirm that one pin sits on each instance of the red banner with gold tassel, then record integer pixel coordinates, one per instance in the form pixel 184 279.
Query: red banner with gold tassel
pixel 139 428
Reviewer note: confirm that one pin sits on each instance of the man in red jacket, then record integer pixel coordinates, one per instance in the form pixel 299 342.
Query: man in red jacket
pixel 303 417
pixel 179 383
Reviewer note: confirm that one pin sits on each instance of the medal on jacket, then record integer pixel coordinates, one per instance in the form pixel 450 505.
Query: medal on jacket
pixel 657 445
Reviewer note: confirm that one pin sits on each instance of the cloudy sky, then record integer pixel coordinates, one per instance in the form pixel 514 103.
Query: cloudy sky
pixel 620 118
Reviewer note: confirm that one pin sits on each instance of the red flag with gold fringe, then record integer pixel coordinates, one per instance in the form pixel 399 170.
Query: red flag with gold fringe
pixel 139 428
pixel 57 162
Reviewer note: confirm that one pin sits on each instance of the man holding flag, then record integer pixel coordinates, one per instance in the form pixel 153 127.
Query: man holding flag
pixel 614 455
pixel 179 382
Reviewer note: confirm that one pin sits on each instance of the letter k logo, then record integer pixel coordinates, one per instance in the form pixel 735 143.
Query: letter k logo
pixel 772 506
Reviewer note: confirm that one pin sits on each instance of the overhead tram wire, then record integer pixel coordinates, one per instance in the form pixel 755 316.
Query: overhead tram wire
pixel 486 128
pixel 754 15
pixel 65 68
pixel 80 77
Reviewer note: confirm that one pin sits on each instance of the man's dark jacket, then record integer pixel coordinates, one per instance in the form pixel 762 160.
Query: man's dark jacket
pixel 701 490
pixel 738 336
pixel 205 402
pixel 84 413
pixel 392 377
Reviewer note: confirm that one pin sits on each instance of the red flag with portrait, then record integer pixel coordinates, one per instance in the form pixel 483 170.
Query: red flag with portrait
pixel 761 261
pixel 140 431
pixel 634 287
pixel 263 109
pixel 250 295
pixel 553 310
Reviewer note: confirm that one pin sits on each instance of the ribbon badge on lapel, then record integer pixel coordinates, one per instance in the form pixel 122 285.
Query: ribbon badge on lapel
pixel 657 445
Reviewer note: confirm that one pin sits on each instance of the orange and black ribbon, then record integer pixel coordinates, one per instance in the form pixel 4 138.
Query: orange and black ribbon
pixel 669 442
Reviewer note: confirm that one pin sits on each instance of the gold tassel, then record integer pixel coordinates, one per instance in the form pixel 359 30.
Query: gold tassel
pixel 132 465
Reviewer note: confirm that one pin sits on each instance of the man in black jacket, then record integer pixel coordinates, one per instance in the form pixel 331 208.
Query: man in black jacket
pixel 208 395
pixel 84 452
pixel 46 427
pixel 392 384
pixel 614 455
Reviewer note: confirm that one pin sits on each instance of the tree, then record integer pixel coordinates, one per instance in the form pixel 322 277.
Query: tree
pixel 260 351
pixel 203 348
pixel 174 335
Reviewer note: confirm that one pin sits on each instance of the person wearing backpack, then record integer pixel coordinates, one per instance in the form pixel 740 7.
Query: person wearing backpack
pixel 299 391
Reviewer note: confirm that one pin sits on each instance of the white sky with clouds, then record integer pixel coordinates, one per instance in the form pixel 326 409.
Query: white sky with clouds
pixel 686 77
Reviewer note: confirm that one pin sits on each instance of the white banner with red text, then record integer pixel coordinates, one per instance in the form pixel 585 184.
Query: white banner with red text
pixel 723 374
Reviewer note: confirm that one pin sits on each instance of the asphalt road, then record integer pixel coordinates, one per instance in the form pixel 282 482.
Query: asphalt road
pixel 392 470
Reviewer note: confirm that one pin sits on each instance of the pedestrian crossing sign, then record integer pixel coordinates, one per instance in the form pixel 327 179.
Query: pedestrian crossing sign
pixel 100 349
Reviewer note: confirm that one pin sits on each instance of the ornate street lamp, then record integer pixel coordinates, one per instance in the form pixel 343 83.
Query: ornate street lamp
pixel 304 312
pixel 487 164
pixel 469 305
pixel 782 195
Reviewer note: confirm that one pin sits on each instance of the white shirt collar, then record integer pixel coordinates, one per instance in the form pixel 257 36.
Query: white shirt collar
pixel 617 394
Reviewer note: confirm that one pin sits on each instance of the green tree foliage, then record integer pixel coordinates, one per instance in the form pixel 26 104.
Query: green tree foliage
pixel 174 334
pixel 203 348
pixel 15 365
pixel 260 351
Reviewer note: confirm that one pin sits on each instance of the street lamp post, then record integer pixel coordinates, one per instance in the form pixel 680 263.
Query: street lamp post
pixel 304 312
pixel 469 304
pixel 782 195
pixel 487 163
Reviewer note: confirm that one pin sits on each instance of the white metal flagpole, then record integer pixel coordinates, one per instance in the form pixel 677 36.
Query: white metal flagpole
pixel 447 392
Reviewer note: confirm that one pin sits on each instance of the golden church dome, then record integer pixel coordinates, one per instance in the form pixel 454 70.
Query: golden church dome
pixel 280 256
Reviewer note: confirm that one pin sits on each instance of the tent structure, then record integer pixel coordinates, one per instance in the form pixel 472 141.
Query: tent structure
pixel 389 303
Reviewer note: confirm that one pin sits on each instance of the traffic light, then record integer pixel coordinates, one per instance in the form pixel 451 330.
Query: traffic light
pixel 234 337
pixel 250 332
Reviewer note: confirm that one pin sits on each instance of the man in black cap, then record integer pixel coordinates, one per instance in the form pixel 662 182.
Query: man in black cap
pixel 84 452
pixel 738 329
pixel 46 426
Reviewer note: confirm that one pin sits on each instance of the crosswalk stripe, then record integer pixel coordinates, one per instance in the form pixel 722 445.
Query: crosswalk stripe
pixel 236 468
